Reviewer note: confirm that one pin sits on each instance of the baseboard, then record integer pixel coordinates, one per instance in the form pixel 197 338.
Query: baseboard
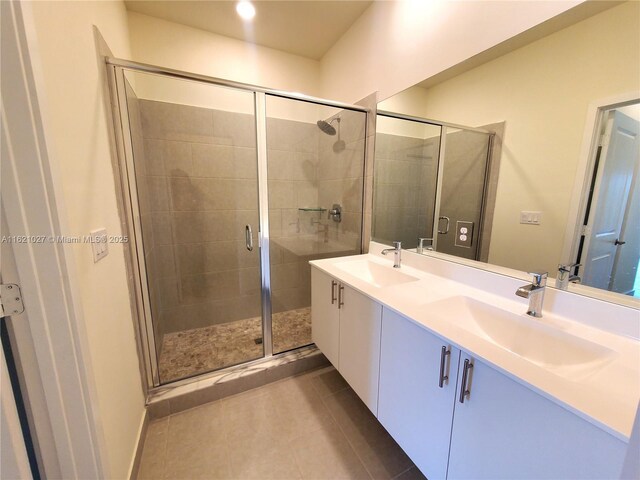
pixel 135 465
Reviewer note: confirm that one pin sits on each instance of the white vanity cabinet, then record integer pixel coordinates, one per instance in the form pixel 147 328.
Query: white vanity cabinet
pixel 502 429
pixel 346 328
pixel 506 430
pixel 418 374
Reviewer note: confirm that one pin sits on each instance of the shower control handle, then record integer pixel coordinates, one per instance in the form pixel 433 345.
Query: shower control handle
pixel 333 291
pixel 248 237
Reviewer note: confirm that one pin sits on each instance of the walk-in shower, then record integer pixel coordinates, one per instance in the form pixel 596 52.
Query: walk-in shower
pixel 228 189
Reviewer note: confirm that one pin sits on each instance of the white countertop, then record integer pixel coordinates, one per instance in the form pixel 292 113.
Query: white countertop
pixel 606 396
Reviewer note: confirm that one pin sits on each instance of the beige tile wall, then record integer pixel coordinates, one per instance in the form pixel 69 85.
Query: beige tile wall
pixel 341 178
pixel 203 190
pixel 404 188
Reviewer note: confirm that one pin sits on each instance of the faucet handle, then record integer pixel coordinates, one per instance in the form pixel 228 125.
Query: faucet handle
pixel 539 278
pixel 397 245
pixel 568 267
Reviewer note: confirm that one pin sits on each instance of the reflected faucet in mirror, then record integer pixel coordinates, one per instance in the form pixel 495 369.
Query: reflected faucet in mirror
pixel 565 276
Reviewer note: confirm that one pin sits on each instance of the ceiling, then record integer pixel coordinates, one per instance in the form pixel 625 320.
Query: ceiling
pixel 304 27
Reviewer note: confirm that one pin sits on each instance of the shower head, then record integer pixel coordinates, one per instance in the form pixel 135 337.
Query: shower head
pixel 326 127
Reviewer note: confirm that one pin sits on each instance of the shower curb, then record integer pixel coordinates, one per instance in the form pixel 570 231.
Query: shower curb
pixel 231 381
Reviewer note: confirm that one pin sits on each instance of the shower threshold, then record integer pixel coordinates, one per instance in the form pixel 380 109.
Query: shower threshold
pixel 196 351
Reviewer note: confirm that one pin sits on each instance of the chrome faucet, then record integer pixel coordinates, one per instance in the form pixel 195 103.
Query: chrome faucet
pixel 535 293
pixel 397 249
pixel 564 275
pixel 421 248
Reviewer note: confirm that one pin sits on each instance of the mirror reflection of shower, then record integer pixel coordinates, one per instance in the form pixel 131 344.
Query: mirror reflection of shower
pixel 329 129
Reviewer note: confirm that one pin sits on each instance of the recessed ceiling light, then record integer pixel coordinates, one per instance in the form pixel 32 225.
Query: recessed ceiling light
pixel 246 10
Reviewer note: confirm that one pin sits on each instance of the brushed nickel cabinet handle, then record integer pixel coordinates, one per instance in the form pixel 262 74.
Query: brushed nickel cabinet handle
pixel 464 391
pixel 340 293
pixel 333 291
pixel 444 353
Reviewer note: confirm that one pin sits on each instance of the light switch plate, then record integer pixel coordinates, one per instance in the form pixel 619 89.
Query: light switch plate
pixel 530 218
pixel 99 244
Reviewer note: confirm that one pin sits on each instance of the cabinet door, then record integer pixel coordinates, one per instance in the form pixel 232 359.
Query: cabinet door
pixel 325 323
pixel 412 406
pixel 360 319
pixel 505 430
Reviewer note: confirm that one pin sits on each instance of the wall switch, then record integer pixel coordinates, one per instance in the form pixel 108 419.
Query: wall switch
pixel 464 234
pixel 530 218
pixel 99 244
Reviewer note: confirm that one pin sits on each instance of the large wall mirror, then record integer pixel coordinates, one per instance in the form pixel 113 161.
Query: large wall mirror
pixel 533 160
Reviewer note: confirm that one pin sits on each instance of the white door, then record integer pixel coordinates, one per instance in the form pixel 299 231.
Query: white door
pixel 414 405
pixel 504 430
pixel 360 324
pixel 618 161
pixel 325 320
pixel 625 265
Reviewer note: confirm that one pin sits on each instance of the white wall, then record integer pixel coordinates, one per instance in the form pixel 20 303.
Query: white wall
pixel 76 124
pixel 172 45
pixel 395 45
pixel 542 91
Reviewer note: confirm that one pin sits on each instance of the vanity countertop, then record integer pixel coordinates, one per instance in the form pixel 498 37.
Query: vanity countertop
pixel 605 391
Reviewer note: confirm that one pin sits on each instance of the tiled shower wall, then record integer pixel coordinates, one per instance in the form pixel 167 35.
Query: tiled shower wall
pixel 341 178
pixel 292 152
pixel 404 190
pixel 201 176
pixel 203 189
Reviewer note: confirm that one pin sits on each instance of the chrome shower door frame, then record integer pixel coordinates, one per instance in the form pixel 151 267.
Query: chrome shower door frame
pixel 130 208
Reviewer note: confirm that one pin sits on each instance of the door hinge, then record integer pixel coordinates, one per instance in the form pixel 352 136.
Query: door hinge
pixel 10 300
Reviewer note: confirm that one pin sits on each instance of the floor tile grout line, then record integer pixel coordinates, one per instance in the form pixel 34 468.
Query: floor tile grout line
pixel 344 434
pixel 403 472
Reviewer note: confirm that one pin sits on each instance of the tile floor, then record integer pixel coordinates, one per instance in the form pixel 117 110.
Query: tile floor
pixel 311 426
pixel 205 349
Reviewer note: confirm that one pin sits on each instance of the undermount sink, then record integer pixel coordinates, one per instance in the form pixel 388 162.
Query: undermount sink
pixel 374 273
pixel 543 345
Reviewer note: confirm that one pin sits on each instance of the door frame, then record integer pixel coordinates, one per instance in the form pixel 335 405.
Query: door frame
pixel 585 171
pixel 32 201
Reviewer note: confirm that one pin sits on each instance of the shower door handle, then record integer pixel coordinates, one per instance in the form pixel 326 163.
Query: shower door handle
pixel 248 237
pixel 446 230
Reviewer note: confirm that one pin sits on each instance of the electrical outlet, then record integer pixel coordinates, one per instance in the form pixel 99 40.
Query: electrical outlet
pixel 99 244
pixel 464 234
pixel 530 218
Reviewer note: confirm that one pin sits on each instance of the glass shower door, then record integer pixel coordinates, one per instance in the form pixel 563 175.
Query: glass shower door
pixel 315 171
pixel 193 174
